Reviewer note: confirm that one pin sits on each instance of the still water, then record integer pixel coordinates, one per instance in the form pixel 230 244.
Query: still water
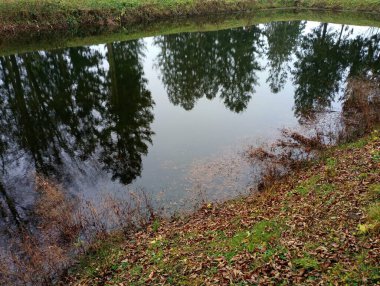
pixel 172 114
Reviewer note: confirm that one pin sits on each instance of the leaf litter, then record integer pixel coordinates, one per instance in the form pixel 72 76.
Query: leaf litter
pixel 316 226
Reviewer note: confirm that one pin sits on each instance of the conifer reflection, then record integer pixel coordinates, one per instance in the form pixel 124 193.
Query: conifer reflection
pixel 326 58
pixel 67 103
pixel 196 65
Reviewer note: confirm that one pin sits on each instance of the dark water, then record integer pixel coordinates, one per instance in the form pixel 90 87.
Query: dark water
pixel 168 114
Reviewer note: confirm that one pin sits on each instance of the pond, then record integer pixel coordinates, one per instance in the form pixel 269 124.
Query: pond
pixel 170 114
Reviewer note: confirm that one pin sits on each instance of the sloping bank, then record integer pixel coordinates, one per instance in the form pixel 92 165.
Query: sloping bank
pixel 319 225
pixel 50 15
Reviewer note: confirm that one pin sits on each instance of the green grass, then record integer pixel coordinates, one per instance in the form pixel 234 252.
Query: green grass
pixel 307 262
pixel 356 144
pixel 155 225
pixel 102 255
pixel 331 167
pixel 260 235
pixel 326 189
pixel 308 186
pixel 376 156
pixel 375 189
pixel 75 4
pixel 50 13
pixel 353 275
pixel 373 213
pixel 125 4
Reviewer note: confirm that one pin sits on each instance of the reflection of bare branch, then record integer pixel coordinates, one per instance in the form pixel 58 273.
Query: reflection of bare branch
pixel 63 226
pixel 371 31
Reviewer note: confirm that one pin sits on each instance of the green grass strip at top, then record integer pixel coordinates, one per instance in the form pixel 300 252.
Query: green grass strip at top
pixel 54 6
pixel 59 40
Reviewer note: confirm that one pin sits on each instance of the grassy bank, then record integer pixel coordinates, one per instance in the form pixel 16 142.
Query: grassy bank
pixel 318 225
pixel 21 43
pixel 49 15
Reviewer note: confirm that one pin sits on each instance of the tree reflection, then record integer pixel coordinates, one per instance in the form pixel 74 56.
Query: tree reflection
pixel 282 40
pixel 38 105
pixel 129 112
pixel 196 65
pixel 66 102
pixel 224 63
pixel 364 54
pixel 325 59
pixel 319 69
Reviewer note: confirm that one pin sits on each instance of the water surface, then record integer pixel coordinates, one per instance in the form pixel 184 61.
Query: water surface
pixel 170 115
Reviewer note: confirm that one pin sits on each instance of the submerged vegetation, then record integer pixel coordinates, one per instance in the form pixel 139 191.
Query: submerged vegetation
pixel 38 15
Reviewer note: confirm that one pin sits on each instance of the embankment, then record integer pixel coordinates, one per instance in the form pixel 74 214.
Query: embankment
pixel 31 16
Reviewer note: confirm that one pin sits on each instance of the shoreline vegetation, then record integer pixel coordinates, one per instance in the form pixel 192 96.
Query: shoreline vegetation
pixel 50 16
pixel 320 224
pixel 22 42
pixel 45 40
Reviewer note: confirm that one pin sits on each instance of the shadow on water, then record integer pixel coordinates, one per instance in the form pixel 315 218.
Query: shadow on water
pixel 93 103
